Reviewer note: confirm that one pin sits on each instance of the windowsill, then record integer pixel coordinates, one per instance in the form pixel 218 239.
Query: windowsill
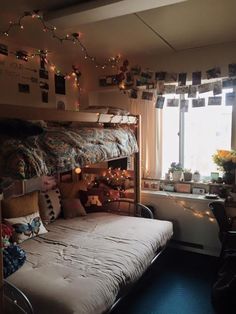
pixel 181 195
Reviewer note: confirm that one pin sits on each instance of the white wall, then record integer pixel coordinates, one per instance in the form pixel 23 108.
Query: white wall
pixel 187 227
pixel 14 71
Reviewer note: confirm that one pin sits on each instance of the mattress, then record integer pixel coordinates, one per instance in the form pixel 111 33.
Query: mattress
pixel 82 264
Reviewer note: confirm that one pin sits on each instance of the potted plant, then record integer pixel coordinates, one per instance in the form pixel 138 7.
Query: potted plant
pixel 176 170
pixel 226 162
pixel 187 175
pixel 196 176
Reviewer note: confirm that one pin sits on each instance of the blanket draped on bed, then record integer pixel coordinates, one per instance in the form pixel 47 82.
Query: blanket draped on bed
pixel 60 149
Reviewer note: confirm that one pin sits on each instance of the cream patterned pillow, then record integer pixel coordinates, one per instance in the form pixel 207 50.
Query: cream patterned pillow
pixel 50 205
pixel 26 227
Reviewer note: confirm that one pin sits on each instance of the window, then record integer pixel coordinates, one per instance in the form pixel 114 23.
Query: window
pixel 192 137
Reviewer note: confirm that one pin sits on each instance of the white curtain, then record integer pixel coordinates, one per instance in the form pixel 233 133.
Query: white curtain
pixel 151 136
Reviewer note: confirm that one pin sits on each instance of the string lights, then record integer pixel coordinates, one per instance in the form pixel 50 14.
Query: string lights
pixel 195 212
pixel 73 37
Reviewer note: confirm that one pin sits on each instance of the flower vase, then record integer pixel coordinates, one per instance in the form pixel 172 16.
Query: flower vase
pixel 176 175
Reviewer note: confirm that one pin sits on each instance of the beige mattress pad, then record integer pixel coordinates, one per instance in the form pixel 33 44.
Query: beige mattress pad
pixel 81 264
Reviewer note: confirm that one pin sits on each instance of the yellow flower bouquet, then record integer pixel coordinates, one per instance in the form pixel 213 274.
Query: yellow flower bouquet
pixel 225 159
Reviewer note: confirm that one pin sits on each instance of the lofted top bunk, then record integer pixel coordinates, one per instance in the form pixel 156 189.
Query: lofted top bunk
pixel 48 141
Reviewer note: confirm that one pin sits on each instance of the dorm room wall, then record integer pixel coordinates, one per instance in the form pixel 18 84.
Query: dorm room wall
pixel 14 71
pixel 188 228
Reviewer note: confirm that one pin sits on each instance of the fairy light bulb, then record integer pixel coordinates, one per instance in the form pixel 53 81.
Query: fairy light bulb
pixel 78 170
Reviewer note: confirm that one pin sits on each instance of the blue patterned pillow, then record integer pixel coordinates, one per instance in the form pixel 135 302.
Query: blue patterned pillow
pixel 13 258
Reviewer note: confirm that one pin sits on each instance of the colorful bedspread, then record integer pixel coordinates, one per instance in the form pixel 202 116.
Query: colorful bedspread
pixel 60 149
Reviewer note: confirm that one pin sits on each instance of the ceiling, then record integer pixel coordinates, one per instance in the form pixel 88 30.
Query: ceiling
pixel 132 28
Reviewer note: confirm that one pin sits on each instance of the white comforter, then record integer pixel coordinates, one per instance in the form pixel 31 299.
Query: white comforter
pixel 81 264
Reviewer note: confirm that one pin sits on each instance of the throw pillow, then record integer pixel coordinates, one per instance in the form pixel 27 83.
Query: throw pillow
pixel 71 189
pixel 13 258
pixel 49 205
pixel 20 206
pixel 26 227
pixel 72 207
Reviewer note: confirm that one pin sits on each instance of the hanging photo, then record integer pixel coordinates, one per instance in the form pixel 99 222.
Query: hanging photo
pixel 196 78
pixel 3 50
pixel 44 96
pixel 214 101
pixel 24 88
pixel 134 94
pixel 172 103
pixel 217 88
pixel 200 102
pixel 228 82
pixel 43 85
pixel 171 77
pixel 230 99
pixel 169 89
pixel 213 73
pixel 182 79
pixel 147 75
pixel 43 74
pixel 232 69
pixel 22 55
pixel 136 70
pixel 160 88
pixel 184 105
pixel 204 88
pixel 192 91
pixel 60 85
pixel 160 102
pixel 160 76
pixel 147 96
pixel 181 90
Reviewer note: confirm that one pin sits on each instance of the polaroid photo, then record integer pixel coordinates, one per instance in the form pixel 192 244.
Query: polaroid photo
pixel 160 87
pixel 160 76
pixel 214 101
pixel 147 74
pixel 24 88
pixel 182 79
pixel 43 74
pixel 204 88
pixel 169 89
pixel 217 88
pixel 196 78
pixel 171 77
pixel 184 105
pixel 136 70
pixel 213 73
pixel 182 90
pixel 232 69
pixel 147 96
pixel 60 84
pixel 3 50
pixel 172 103
pixel 44 96
pixel 230 99
pixel 134 94
pixel 192 91
pixel 160 102
pixel 43 85
pixel 200 102
pixel 228 82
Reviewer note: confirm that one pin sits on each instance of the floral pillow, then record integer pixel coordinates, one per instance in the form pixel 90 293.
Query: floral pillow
pixel 26 227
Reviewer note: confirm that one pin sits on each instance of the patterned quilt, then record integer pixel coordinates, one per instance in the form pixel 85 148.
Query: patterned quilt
pixel 60 149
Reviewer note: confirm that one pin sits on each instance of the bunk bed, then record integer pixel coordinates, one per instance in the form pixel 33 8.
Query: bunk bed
pixel 85 264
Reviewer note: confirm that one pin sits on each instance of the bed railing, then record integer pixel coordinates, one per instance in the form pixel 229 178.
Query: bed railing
pixel 123 206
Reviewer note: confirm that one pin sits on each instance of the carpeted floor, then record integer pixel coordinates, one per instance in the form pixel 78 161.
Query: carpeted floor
pixel 178 283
